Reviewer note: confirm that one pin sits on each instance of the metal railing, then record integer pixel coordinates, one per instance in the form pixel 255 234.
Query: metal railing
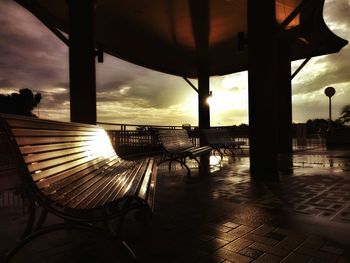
pixel 131 139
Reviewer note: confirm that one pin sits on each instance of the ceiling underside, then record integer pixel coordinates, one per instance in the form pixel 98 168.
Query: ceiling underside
pixel 158 34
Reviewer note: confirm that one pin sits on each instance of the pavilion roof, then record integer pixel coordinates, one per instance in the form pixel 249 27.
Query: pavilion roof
pixel 158 34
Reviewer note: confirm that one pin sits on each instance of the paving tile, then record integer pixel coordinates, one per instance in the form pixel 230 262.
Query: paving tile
pixel 238 244
pixel 251 252
pixel 317 254
pixel 296 258
pixel 269 249
pixel 263 229
pixel 214 244
pixel 205 238
pixel 261 239
pixel 227 236
pixel 290 243
pixel 333 247
pixel 314 242
pixel 241 230
pixel 268 258
pixel 275 236
pixel 232 256
pixel 231 224
pixel 211 259
pixel 218 227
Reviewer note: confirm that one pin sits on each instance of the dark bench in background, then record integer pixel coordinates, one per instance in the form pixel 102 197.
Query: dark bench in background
pixel 221 140
pixel 177 146
pixel 72 171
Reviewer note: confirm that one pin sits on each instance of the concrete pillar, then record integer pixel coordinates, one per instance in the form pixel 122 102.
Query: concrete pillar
pixel 82 61
pixel 262 89
pixel 203 95
pixel 284 93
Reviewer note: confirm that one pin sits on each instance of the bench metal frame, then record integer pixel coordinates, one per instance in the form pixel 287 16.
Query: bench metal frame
pixel 221 141
pixel 139 194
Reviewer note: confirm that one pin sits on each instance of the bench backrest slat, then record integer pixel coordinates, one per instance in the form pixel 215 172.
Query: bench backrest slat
pixel 217 136
pixel 174 140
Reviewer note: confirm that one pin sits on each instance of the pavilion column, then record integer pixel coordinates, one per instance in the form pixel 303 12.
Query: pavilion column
pixel 201 30
pixel 82 61
pixel 203 95
pixel 262 89
pixel 284 93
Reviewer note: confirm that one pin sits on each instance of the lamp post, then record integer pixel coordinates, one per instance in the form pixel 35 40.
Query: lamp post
pixel 329 91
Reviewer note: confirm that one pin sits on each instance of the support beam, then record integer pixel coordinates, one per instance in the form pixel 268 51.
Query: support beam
pixel 82 61
pixel 293 15
pixel 191 84
pixel 262 89
pixel 302 65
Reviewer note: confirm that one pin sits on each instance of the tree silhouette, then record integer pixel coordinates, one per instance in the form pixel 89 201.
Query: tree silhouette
pixel 21 103
pixel 345 114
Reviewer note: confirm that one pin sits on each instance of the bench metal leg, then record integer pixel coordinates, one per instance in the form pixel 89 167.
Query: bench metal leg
pixel 176 160
pixel 41 219
pixel 31 219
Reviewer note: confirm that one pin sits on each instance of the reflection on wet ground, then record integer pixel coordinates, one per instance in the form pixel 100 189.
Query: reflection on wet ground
pixel 224 216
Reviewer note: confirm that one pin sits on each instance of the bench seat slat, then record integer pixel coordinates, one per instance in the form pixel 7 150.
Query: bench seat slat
pixel 146 180
pixel 59 181
pixel 95 190
pixel 68 185
pixel 138 179
pixel 119 189
pixel 110 189
pixel 133 180
pixel 77 188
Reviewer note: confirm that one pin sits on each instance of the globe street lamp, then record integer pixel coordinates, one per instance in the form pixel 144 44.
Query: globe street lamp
pixel 329 91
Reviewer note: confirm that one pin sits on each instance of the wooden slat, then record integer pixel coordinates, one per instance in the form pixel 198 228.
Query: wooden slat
pixel 30 149
pixel 114 185
pixel 96 189
pixel 43 133
pixel 48 140
pixel 124 187
pixel 119 188
pixel 35 167
pixel 139 177
pixel 72 186
pixel 54 154
pixel 81 190
pixel 22 122
pixel 146 180
pixel 152 187
pixel 60 180
pixel 61 168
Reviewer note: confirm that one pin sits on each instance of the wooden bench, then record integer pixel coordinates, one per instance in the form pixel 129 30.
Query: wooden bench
pixel 221 140
pixel 72 171
pixel 177 146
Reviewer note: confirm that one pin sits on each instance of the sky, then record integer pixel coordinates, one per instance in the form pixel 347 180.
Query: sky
pixel 33 57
